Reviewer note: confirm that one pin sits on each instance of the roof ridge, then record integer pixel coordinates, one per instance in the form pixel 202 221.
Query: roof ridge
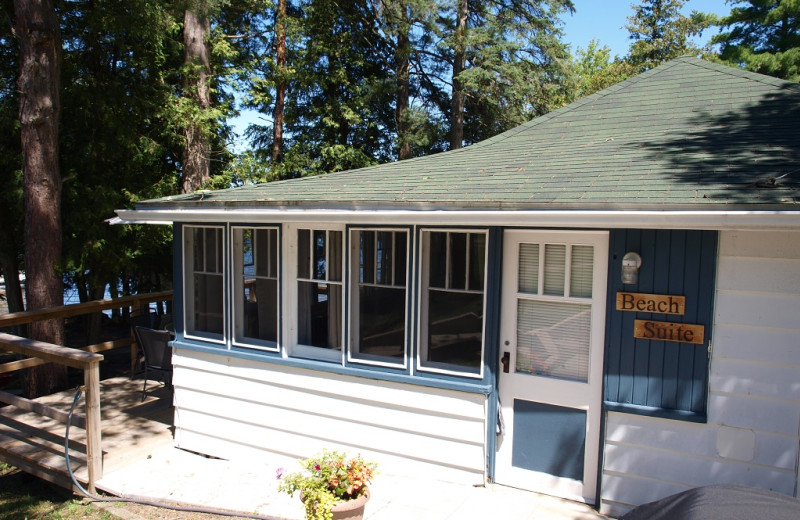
pixel 739 72
pixel 578 103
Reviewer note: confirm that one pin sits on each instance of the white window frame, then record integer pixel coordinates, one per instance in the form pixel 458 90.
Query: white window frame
pixel 189 331
pixel 422 295
pixel 353 288
pixel 290 300
pixel 237 289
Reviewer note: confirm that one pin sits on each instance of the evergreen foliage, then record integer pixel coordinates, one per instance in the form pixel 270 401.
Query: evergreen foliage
pixel 659 32
pixel 762 36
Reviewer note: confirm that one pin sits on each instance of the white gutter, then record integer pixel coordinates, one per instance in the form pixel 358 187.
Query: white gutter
pixel 539 218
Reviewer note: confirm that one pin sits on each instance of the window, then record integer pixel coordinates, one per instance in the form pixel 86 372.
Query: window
pixel 378 296
pixel 203 283
pixel 554 310
pixel 255 286
pixel 319 292
pixel 452 301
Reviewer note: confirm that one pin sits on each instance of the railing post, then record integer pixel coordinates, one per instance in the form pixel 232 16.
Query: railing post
pixel 94 450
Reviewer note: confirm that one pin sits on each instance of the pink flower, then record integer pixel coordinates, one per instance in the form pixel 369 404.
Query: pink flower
pixel 279 473
pixel 317 467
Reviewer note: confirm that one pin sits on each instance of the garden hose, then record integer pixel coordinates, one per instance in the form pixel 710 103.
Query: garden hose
pixel 142 500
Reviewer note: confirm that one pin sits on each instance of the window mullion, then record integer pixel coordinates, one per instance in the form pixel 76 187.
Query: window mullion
pixel 394 258
pixel 542 250
pixel 568 271
pixel 310 258
pixel 375 248
pixel 447 281
pixel 466 262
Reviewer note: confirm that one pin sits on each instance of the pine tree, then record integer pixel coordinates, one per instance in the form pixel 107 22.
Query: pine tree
pixel 762 36
pixel 515 64
pixel 39 36
pixel 408 29
pixel 660 32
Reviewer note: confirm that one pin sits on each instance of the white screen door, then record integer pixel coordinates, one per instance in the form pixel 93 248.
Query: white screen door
pixel 551 353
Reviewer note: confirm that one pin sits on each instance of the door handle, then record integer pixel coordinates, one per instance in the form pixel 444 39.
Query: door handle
pixel 505 360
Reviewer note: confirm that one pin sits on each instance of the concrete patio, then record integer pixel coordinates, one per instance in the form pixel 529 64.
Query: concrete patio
pixel 175 475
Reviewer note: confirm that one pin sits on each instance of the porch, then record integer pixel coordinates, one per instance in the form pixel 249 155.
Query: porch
pixel 182 477
pixel 132 430
pixel 139 460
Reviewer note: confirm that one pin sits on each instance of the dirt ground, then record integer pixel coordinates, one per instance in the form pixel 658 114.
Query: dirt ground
pixel 26 497
pixel 131 511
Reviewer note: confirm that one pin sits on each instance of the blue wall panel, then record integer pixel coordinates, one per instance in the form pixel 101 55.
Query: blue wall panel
pixel 660 377
pixel 548 438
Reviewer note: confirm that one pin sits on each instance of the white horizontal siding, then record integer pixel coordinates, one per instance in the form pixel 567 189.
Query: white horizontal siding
pixel 753 430
pixel 234 408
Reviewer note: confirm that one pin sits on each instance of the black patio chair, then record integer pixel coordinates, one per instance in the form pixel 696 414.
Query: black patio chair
pixel 157 354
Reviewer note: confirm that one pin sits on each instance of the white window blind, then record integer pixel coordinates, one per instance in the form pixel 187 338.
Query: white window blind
pixel 555 256
pixel 581 269
pixel 529 268
pixel 553 339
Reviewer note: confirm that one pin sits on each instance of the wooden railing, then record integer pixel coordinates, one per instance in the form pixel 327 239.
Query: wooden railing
pixel 85 358
pixel 138 303
pixel 89 362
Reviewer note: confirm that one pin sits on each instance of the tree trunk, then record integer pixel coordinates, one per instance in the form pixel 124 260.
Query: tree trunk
pixel 196 151
pixel 402 54
pixel 39 36
pixel 459 62
pixel 280 86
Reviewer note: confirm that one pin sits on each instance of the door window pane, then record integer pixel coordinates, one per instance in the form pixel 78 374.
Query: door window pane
pixel 580 278
pixel 553 339
pixel 529 268
pixel 555 257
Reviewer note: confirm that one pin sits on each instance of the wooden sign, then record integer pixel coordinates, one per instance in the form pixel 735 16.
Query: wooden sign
pixel 665 331
pixel 657 303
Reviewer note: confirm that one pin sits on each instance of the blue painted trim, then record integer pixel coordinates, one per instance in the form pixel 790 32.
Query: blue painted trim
pixel 177 278
pixel 598 487
pixel 494 274
pixel 660 413
pixel 273 358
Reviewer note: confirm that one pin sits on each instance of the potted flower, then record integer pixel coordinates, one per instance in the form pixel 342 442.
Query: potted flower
pixel 331 486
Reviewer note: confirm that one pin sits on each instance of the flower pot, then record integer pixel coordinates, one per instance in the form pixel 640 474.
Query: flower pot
pixel 352 509
pixel 349 510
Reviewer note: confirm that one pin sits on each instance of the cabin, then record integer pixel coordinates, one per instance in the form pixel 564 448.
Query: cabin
pixel 602 304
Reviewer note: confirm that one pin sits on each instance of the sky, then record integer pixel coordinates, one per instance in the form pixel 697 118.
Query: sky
pixel 605 20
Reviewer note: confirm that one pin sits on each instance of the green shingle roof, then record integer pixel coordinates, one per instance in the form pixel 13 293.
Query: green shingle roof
pixel 687 134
